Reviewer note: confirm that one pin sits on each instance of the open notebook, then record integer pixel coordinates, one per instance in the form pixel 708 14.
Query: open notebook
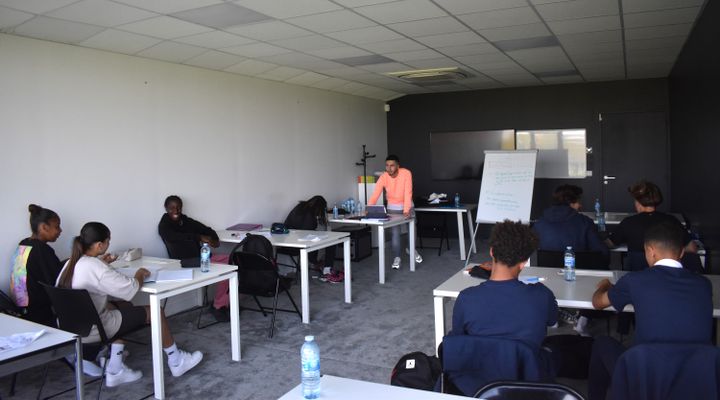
pixel 158 274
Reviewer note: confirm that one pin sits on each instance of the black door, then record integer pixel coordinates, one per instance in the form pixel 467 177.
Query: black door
pixel 634 147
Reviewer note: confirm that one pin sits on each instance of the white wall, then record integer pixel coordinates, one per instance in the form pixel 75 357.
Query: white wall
pixel 101 136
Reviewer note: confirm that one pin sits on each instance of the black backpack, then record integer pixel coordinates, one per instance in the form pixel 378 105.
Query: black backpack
pixel 570 355
pixel 257 244
pixel 416 370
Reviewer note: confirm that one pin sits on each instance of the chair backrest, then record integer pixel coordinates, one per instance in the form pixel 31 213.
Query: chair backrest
pixel 257 274
pixel 667 371
pixel 75 311
pixel 181 249
pixel 7 306
pixel 471 362
pixel 516 390
pixel 583 259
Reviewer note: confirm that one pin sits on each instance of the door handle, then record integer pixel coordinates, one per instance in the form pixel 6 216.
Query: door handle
pixel 607 178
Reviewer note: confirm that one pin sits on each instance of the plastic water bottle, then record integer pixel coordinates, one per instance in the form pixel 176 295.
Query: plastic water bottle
pixel 351 206
pixel 569 261
pixel 599 216
pixel 457 200
pixel 205 258
pixel 310 359
pixel 597 207
pixel 360 208
pixel 336 214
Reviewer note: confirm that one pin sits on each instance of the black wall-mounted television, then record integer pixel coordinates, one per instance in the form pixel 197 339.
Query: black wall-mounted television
pixel 460 155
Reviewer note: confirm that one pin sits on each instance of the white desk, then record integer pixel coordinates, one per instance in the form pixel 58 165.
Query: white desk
pixel 459 211
pixel 52 345
pixel 292 240
pixel 614 218
pixel 159 291
pixel 336 388
pixel 577 294
pixel 395 220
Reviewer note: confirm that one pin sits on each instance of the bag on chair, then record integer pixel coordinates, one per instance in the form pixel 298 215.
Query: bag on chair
pixel 416 370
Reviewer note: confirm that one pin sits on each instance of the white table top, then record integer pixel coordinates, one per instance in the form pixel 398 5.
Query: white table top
pixel 336 388
pixel 291 239
pixel 394 219
pixel 577 294
pixel 10 325
pixel 614 218
pixel 447 208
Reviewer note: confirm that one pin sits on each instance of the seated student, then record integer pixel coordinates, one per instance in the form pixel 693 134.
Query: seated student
pixel 502 306
pixel 307 215
pixel 672 304
pixel 84 270
pixel 183 237
pixel 562 225
pixel 631 230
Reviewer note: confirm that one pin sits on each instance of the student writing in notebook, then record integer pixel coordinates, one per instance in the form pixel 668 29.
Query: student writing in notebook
pixel 86 270
pixel 397 183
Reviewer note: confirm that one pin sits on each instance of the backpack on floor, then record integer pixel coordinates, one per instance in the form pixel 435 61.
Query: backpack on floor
pixel 570 355
pixel 416 370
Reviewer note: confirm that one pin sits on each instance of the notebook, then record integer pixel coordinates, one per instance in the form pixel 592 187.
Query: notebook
pixel 376 212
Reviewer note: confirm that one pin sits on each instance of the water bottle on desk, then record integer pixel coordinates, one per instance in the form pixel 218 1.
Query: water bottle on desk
pixel 359 208
pixel 336 214
pixel 457 200
pixel 205 258
pixel 569 262
pixel 310 360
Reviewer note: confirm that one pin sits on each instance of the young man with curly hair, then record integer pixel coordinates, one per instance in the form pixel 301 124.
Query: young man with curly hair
pixel 502 306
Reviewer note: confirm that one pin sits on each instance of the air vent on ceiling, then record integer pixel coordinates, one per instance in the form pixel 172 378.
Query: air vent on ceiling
pixel 435 75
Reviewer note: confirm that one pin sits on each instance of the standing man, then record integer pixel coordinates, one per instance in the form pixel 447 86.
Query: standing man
pixel 672 304
pixel 397 183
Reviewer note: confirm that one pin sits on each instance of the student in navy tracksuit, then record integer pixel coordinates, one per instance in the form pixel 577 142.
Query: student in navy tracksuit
pixel 672 304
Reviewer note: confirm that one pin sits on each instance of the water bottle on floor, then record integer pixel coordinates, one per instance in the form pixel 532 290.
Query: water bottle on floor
pixel 569 259
pixel 310 358
pixel 205 258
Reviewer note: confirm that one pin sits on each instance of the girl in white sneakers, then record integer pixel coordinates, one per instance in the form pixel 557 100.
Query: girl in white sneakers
pixel 85 270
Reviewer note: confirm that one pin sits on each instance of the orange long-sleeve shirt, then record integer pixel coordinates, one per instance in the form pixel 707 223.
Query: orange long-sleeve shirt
pixel 398 189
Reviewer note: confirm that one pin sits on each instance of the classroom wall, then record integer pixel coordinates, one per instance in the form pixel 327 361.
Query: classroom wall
pixel 411 118
pixel 101 136
pixel 694 88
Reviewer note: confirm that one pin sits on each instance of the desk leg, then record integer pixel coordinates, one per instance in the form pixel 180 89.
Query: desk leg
pixel 439 321
pixel 234 317
pixel 471 228
pixel 348 270
pixel 411 239
pixel 461 235
pixel 381 254
pixel 157 351
pixel 79 383
pixel 304 286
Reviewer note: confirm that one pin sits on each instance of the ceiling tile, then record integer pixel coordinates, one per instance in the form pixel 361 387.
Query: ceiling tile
pixel 214 60
pixel 414 55
pixel 269 31
pixel 654 43
pixel 35 6
pixel 221 15
pixel 591 47
pixel 256 50
pixel 515 32
pixel 215 40
pixel 120 42
pixel 591 37
pixel 577 9
pixel 480 59
pixel 426 27
pixel 10 18
pixel 171 51
pixel 657 31
pixel 280 73
pixel 501 18
pixel 542 59
pixel 433 63
pixel 401 11
pixel 631 6
pixel 332 21
pixel 101 12
pixel 306 43
pixel 306 78
pixel 473 6
pixel 467 49
pixel 360 3
pixel 288 9
pixel 451 39
pixel 529 43
pixel 664 17
pixel 344 72
pixel 592 24
pixel 363 60
pixel 387 67
pixel 508 65
pixel 393 46
pixel 304 61
pixel 339 52
pixel 56 30
pixel 168 6
pixel 329 84
pixel 556 80
pixel 250 67
pixel 365 35
pixel 164 27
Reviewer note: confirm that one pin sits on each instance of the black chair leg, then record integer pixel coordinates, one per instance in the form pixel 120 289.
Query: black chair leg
pixel 12 384
pixel 202 310
pixel 260 307
pixel 297 310
pixel 45 373
pixel 274 309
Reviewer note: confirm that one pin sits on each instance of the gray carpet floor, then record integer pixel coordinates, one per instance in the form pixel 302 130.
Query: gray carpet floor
pixel 362 340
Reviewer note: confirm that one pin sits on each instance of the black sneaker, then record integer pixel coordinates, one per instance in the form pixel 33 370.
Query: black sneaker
pixel 221 314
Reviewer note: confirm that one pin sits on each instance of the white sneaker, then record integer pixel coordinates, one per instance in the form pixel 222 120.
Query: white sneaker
pixel 396 263
pixel 581 326
pixel 187 362
pixel 126 375
pixel 418 257
pixel 89 367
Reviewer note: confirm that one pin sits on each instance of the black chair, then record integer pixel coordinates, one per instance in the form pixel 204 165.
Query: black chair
pixel 583 259
pixel 512 390
pixel 258 277
pixel 432 225
pixel 76 313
